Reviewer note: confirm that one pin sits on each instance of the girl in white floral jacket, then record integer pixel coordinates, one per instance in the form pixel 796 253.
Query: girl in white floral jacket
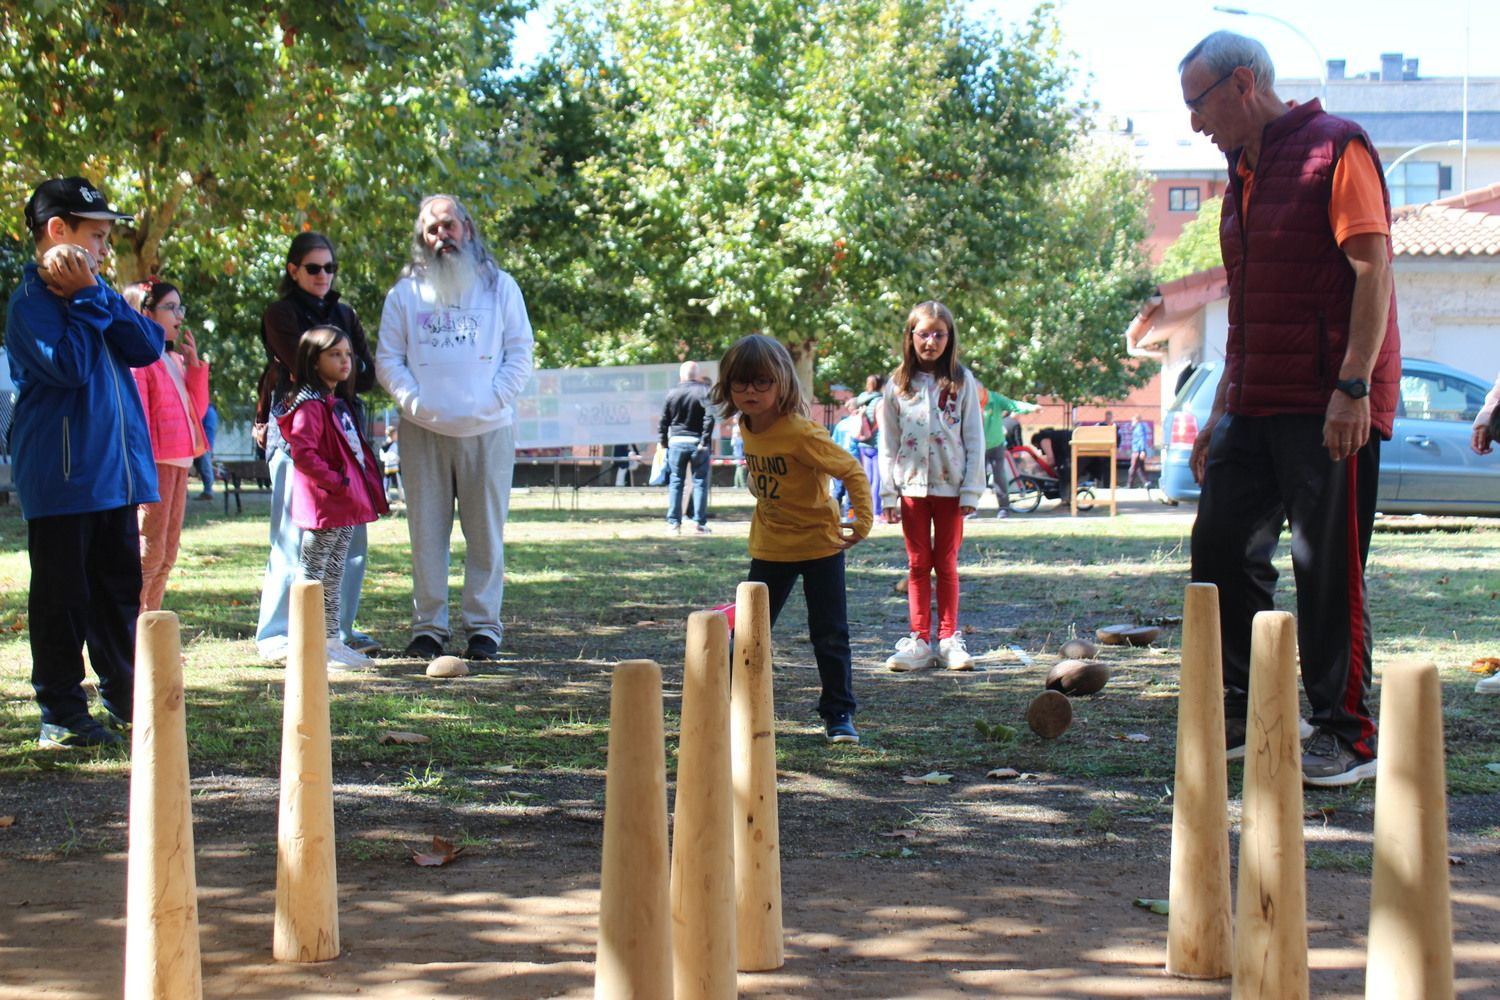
pixel 931 477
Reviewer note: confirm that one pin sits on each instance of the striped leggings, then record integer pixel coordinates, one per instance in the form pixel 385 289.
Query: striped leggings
pixel 322 558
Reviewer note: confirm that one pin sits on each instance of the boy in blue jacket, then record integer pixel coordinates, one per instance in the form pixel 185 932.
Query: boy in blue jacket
pixel 81 461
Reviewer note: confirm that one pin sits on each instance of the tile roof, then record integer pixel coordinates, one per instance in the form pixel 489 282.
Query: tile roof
pixel 1463 225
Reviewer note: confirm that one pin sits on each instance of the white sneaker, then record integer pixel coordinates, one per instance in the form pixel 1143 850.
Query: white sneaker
pixel 1488 685
pixel 953 654
pixel 273 649
pixel 912 653
pixel 340 655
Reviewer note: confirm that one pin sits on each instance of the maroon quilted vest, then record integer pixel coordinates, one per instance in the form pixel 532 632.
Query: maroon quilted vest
pixel 1290 286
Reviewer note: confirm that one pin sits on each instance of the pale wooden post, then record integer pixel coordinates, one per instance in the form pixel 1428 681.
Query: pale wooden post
pixel 757 834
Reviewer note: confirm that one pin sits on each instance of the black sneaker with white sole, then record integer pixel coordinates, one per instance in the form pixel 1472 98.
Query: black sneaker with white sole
pixel 85 731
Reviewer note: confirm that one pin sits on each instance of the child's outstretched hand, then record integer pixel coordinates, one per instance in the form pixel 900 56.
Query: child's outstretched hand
pixel 850 535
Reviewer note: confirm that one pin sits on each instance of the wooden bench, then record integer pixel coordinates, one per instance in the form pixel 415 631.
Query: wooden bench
pixel 235 472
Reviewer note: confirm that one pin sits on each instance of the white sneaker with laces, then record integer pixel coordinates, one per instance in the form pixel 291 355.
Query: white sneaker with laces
pixel 953 654
pixel 912 653
pixel 340 655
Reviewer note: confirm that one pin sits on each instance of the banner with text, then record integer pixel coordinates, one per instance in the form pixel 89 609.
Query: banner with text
pixel 563 407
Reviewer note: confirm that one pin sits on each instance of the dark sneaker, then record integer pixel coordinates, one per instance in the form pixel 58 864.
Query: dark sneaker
pixel 116 724
pixel 840 729
pixel 1234 739
pixel 481 647
pixel 1329 762
pixel 84 732
pixel 423 647
pixel 361 643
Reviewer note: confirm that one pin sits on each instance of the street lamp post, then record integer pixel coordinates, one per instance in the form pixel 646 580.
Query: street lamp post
pixel 1322 66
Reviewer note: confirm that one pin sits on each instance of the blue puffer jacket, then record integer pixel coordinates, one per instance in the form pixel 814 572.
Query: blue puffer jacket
pixel 79 441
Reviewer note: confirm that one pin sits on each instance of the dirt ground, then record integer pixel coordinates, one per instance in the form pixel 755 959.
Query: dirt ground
pixel 1012 889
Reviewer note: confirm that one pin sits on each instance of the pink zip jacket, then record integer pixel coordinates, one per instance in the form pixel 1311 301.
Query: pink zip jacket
pixel 172 433
pixel 329 489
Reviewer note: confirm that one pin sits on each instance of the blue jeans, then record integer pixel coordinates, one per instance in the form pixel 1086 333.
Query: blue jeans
pixel 678 457
pixel 282 566
pixel 827 621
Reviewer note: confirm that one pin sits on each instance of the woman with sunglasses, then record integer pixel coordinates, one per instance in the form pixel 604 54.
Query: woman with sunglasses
pixel 307 300
pixel 174 396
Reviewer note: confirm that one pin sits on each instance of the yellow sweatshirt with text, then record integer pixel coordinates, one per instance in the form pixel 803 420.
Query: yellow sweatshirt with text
pixel 787 470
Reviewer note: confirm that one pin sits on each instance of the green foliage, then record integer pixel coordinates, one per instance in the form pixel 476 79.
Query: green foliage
pixel 229 127
pixel 812 170
pixel 1196 247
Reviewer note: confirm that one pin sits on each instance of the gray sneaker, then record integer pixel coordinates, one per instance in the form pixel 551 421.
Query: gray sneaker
pixel 1329 762
pixel 82 732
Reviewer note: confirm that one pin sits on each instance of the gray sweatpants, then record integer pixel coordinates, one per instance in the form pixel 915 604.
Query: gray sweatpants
pixel 476 473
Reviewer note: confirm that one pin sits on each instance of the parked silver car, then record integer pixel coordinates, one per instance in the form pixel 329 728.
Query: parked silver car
pixel 1426 468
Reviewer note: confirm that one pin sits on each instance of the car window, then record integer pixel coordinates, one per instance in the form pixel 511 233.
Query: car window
pixel 1434 396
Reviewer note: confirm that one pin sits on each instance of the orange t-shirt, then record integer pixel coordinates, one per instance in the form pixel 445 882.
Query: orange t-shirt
pixel 1357 205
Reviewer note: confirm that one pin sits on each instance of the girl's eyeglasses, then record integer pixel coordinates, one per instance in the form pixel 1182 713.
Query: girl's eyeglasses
pixel 316 269
pixel 177 310
pixel 761 383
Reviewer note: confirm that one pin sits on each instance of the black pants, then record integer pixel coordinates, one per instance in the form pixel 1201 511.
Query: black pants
pixel 827 621
pixel 1263 471
pixel 85 587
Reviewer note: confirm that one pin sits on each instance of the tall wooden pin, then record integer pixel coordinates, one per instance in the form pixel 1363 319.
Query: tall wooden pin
pixel 161 924
pixel 1270 927
pixel 307 906
pixel 634 960
pixel 703 897
pixel 757 838
pixel 1411 916
pixel 1199 940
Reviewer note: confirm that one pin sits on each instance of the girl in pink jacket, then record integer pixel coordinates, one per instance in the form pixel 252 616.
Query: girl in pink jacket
pixel 337 480
pixel 174 395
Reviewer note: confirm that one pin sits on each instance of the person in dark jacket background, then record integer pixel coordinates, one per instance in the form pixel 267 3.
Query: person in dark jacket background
pixel 1312 365
pixel 82 461
pixel 687 433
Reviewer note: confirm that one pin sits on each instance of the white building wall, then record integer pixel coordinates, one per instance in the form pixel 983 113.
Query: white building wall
pixel 1449 310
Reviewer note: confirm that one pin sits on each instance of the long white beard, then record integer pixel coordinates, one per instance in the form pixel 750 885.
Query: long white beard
pixel 452 275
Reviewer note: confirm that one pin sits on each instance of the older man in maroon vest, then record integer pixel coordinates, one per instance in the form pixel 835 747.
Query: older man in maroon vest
pixel 1309 390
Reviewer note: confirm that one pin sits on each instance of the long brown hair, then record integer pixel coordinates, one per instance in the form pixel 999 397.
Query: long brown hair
pixel 312 345
pixel 949 374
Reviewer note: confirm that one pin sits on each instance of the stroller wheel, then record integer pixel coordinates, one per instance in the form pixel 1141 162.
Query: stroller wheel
pixel 1085 498
pixel 1025 494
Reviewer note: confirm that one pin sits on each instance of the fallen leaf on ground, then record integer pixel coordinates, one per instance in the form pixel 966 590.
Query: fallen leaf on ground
pixel 1485 665
pixel 1003 774
pixel 1454 860
pixel 442 852
pixel 901 834
pixel 645 623
pixel 7 821
pixel 930 778
pixel 1154 905
pixel 393 736
pixel 1132 737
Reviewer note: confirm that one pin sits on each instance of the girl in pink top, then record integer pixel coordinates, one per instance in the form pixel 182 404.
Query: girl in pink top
pixel 174 395
pixel 337 480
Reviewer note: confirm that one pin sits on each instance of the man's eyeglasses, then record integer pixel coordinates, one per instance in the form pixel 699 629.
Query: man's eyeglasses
pixel 1192 103
pixel 761 383
pixel 316 269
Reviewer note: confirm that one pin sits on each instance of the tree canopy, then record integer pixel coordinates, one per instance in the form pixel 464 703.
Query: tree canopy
pixel 1196 247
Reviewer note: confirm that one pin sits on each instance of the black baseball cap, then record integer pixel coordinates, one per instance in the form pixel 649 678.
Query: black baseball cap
pixel 68 196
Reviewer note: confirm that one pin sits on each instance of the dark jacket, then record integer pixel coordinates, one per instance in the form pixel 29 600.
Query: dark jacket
pixel 330 488
pixel 282 326
pixel 687 413
pixel 1291 288
pixel 79 436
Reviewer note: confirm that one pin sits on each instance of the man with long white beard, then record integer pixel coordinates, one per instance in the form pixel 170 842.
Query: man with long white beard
pixel 455 352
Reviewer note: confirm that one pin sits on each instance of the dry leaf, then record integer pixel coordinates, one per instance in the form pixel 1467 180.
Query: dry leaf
pixel 901 834
pixel 6 821
pixel 1485 665
pixel 930 778
pixel 1442 580
pixel 1454 860
pixel 392 736
pixel 1132 737
pixel 645 623
pixel 1003 774
pixel 442 852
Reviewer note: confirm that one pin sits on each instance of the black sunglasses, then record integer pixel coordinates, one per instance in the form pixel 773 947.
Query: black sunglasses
pixel 319 268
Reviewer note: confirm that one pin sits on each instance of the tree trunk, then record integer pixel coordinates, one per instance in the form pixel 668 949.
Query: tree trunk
pixel 804 358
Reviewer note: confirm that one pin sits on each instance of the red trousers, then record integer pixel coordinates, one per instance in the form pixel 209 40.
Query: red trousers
pixel 933 529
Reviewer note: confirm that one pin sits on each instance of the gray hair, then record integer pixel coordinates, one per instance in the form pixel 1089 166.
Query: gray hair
pixel 420 255
pixel 1224 51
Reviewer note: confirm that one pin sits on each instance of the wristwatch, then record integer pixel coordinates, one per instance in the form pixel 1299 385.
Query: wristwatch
pixel 1354 388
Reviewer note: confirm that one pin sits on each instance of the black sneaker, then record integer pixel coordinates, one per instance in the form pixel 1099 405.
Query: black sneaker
pixel 481 647
pixel 115 723
pixel 840 729
pixel 1234 738
pixel 422 647
pixel 83 732
pixel 1329 762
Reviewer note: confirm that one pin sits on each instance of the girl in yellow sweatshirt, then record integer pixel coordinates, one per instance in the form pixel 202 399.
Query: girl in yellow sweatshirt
pixel 796 530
